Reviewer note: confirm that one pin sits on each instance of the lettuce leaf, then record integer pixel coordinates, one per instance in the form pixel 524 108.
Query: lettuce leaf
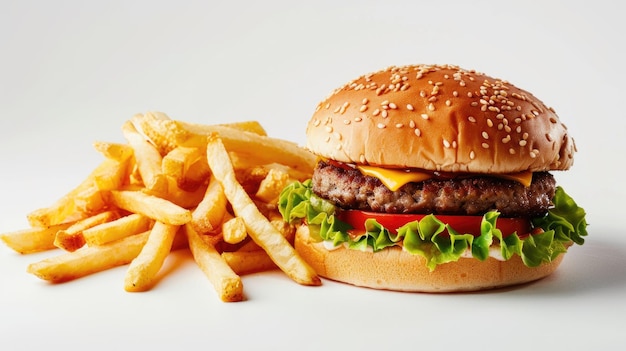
pixel 436 241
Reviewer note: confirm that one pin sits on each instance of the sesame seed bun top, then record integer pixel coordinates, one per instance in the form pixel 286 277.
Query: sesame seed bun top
pixel 440 118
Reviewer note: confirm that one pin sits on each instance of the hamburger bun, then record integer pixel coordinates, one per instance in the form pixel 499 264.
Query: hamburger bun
pixel 395 269
pixel 439 118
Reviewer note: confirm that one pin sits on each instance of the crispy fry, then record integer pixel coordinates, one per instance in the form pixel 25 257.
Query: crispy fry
pixel 143 269
pixel 147 157
pixel 65 209
pixel 234 230
pixel 207 216
pixel 177 163
pixel 272 185
pixel 117 229
pixel 183 198
pixel 33 239
pixel 71 239
pixel 264 149
pixel 246 262
pixel 89 259
pixel 169 134
pixel 150 206
pixel 247 126
pixel 258 227
pixel 225 281
pixel 115 151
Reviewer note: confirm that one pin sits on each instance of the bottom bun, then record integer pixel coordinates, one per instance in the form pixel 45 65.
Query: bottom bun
pixel 395 269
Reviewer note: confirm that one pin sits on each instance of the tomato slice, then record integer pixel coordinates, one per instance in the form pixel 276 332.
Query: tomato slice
pixel 462 224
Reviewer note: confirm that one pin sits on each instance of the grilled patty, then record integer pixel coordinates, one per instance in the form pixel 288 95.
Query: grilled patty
pixel 348 188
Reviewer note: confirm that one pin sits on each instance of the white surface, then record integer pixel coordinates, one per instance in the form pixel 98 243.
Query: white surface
pixel 71 72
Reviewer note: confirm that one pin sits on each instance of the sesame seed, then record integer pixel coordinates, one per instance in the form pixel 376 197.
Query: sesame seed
pixel 455 93
pixel 338 147
pixel 522 143
pixel 393 106
pixel 485 145
pixel 448 102
pixel 327 139
pixel 358 119
pixel 485 135
pixel 411 124
pixel 317 123
pixel 362 158
pixel 489 122
pixel 376 112
pixel 346 121
pixel 431 107
pixel 384 114
pixel 506 139
pixel 471 119
pixel 399 125
pixel 337 135
pixel 446 144
pixel 425 116
pixel 365 101
pixel 329 129
pixel 381 126
pixel 472 155
pixel 512 151
pixel 363 108
pixel 417 132
pixel 409 107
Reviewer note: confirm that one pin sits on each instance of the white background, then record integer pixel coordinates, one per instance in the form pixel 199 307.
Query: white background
pixel 71 72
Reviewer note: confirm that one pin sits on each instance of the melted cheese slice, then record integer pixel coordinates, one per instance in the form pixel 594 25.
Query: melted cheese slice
pixel 394 178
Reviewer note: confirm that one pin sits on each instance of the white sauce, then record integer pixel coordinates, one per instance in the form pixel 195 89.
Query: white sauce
pixel 494 251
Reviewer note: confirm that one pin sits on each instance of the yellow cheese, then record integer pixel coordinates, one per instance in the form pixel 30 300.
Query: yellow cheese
pixel 396 178
pixel 522 177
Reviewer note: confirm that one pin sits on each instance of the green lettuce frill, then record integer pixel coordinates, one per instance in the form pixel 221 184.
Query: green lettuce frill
pixel 436 241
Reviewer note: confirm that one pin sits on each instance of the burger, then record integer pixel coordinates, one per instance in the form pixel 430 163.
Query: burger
pixel 434 178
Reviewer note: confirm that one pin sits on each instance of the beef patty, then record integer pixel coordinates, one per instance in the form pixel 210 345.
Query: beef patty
pixel 348 188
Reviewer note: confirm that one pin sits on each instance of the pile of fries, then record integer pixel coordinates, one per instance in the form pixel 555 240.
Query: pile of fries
pixel 210 188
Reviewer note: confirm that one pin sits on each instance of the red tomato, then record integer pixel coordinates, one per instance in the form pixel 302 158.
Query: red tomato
pixel 462 224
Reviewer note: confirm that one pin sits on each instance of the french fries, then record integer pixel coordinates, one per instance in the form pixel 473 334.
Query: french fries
pixel 89 259
pixel 210 189
pixel 226 282
pixel 144 268
pixel 114 230
pixel 258 226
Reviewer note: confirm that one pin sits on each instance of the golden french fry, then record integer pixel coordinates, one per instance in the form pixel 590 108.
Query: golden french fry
pixel 150 206
pixel 184 198
pixel 71 239
pixel 169 134
pixel 207 216
pixel 264 149
pixel 117 229
pixel 115 151
pixel 272 185
pixel 115 176
pixel 143 269
pixel 248 126
pixel 33 239
pixel 234 230
pixel 187 165
pixel 246 262
pixel 89 259
pixel 65 209
pixel 91 200
pixel 225 281
pixel 147 157
pixel 258 227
